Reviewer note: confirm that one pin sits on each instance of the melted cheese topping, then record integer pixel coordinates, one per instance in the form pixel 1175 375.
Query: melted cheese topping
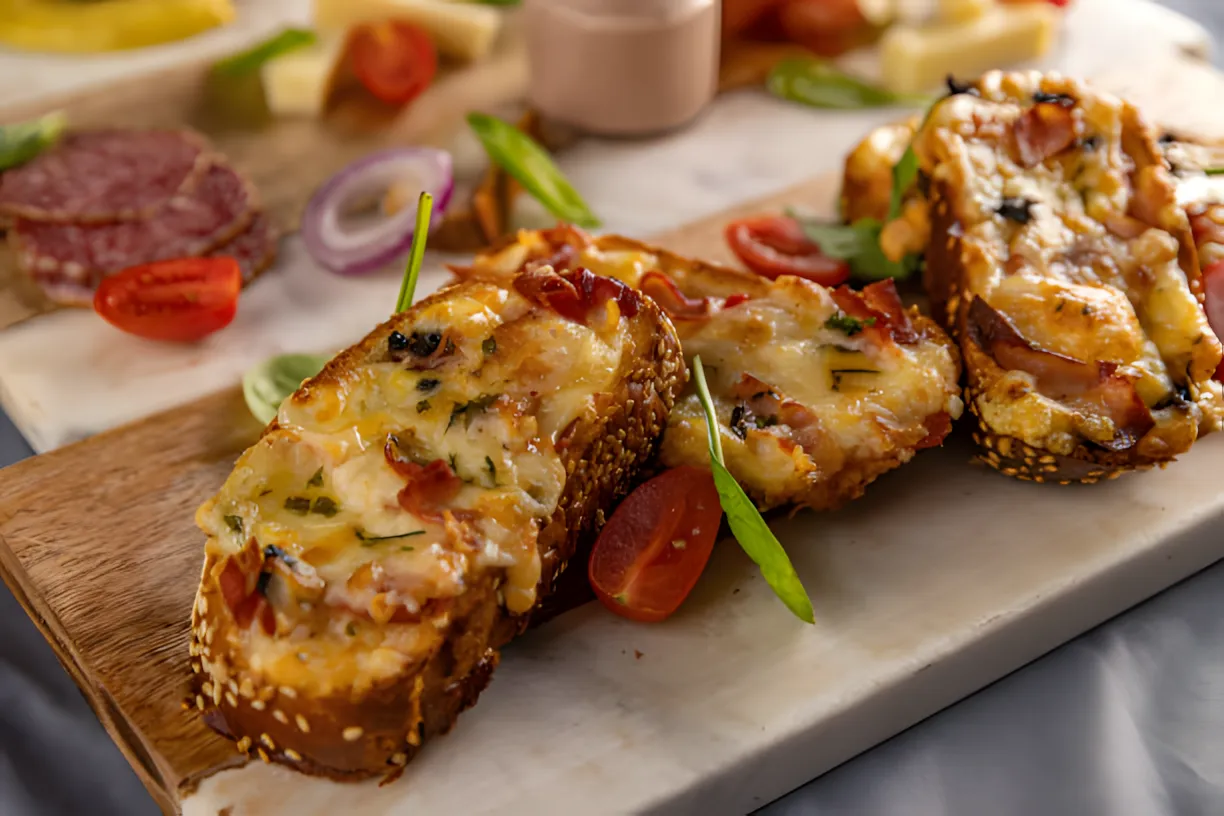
pixel 1068 281
pixel 321 490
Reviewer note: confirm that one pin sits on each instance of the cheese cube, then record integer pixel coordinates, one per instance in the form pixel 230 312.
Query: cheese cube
pixel 915 59
pixel 299 83
pixel 922 12
pixel 462 30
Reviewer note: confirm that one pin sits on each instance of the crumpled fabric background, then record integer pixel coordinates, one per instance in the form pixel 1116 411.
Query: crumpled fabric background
pixel 1127 720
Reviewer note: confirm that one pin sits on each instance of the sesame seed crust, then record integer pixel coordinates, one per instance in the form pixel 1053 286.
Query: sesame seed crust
pixel 376 733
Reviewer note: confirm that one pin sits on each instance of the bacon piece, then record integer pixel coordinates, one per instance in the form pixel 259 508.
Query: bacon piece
pixel 938 427
pixel 573 295
pixel 1042 131
pixel 429 486
pixel 1095 386
pixel 1205 229
pixel 880 303
pixel 239 584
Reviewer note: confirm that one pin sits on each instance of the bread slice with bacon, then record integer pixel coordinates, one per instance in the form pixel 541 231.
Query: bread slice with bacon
pixel 1066 268
pixel 410 508
pixel 817 391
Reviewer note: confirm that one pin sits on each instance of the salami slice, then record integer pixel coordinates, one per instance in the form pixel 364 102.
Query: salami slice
pixel 254 249
pixel 96 176
pixel 68 260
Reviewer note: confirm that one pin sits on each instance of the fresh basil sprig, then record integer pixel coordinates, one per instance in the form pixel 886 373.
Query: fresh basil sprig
pixel 22 141
pixel 530 165
pixel 750 530
pixel 251 60
pixel 858 244
pixel 270 383
pixel 817 83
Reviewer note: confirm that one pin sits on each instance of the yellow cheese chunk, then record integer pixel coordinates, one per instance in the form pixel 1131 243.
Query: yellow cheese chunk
pixel 461 30
pixel 915 59
pixel 298 83
pixel 922 12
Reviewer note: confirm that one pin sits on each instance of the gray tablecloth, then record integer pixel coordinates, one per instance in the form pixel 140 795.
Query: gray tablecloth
pixel 1126 720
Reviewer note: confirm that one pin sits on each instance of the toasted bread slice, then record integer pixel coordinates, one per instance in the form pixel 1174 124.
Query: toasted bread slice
pixel 410 508
pixel 1066 269
pixel 817 391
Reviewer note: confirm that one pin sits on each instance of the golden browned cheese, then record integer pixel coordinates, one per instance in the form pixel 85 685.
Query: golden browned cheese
pixel 1065 267
pixel 408 510
pixel 811 406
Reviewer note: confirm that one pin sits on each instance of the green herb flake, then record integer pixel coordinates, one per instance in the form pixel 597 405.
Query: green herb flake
pixel 325 506
pixel 840 374
pixel 251 60
pixel 316 480
pixel 298 504
pixel 369 540
pixel 849 325
pixel 820 84
pixel 749 528
pixel 489 346
pixel 492 468
pixel 406 548
pixel 529 164
pixel 22 141
pixel 905 173
pixel 422 406
pixel 234 523
pixel 350 629
pixel 468 410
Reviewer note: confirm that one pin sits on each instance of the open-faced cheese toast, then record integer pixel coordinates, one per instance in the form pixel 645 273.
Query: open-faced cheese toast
pixel 817 391
pixel 412 505
pixel 1060 259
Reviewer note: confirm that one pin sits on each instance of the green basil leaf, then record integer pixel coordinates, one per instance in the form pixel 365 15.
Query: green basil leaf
pixel 749 528
pixel 859 244
pixel 905 173
pixel 419 237
pixel 267 385
pixel 22 141
pixel 530 165
pixel 251 60
pixel 819 84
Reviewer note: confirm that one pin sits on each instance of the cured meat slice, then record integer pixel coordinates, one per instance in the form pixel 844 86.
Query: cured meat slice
pixel 97 176
pixel 68 260
pixel 254 249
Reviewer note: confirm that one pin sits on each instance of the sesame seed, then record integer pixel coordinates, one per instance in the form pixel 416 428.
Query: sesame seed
pixel 232 685
pixel 1047 460
pixel 194 648
pixel 244 745
pixel 200 702
pixel 414 737
pixel 279 716
pixel 203 605
pixel 302 724
pixel 231 699
pixel 264 755
pixel 292 754
pixel 195 667
pixel 288 692
pixel 207 688
pixel 247 689
pixel 266 740
pixel 353 733
pixel 399 759
pixel 258 705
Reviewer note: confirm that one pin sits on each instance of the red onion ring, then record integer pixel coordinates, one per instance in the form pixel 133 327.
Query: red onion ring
pixel 364 249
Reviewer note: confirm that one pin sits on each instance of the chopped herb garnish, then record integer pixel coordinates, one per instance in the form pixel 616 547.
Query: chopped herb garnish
pixel 737 422
pixel 261 583
pixel 1019 210
pixel 489 346
pixel 821 84
pixel 427 384
pixel 850 325
pixel 467 410
pixel 234 523
pixel 859 245
pixel 1060 305
pixel 454 464
pixel 766 421
pixel 267 491
pixel 1064 100
pixel 325 506
pixel 492 468
pixel 370 541
pixel 317 479
pixel 406 549
pixel 298 504
pixel 350 629
pixel 422 406
pixel 750 530
pixel 839 374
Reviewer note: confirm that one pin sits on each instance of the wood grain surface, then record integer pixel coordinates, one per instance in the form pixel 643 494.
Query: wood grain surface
pixel 98 543
pixel 286 158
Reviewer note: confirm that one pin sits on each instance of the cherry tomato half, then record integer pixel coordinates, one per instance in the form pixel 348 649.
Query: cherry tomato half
pixel 654 548
pixel 395 60
pixel 1213 288
pixel 773 245
pixel 181 300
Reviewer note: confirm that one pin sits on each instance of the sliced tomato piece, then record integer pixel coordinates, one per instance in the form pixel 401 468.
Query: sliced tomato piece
pixel 180 301
pixel 1213 288
pixel 773 245
pixel 395 60
pixel 654 548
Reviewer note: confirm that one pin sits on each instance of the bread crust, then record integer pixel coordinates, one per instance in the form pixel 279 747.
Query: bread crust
pixel 378 732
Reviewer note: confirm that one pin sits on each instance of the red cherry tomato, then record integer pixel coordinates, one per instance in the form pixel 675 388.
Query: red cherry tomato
pixel 654 548
pixel 773 245
pixel 1213 287
pixel 827 27
pixel 396 61
pixel 181 300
